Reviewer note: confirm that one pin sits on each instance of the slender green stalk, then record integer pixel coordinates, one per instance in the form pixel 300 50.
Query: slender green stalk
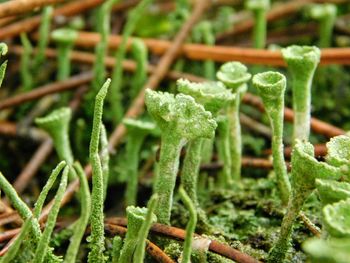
pixel 26 75
pixel 133 148
pixel 44 33
pixel 305 170
pixel 43 194
pixel 65 38
pixel 235 138
pixel 116 248
pixel 224 151
pixel 140 53
pixel 190 170
pixel 271 87
pixel 302 62
pixel 57 125
pixel 21 207
pixel 168 166
pixel 117 75
pixel 43 245
pixel 180 119
pixel 16 245
pixel 234 75
pixel 191 225
pixel 3 51
pixel 139 254
pixel 104 155
pixel 214 97
pixel 25 213
pixel 326 15
pixel 259 9
pixel 136 217
pixel 104 14
pixel 137 131
pixel 97 225
pixel 205 33
pixel 80 225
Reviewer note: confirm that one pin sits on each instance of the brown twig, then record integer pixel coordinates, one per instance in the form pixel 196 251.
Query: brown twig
pixel 17 7
pixel 12 129
pixel 217 53
pixel 254 125
pixel 311 226
pixel 175 232
pixel 319 150
pixel 69 9
pixel 151 248
pixel 47 89
pixel 33 165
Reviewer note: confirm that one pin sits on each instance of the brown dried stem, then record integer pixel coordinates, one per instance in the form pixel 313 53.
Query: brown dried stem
pixel 17 7
pixel 217 53
pixel 178 233
pixel 69 9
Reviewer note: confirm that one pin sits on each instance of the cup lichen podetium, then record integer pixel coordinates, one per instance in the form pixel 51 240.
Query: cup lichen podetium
pixel 305 170
pixel 234 75
pixel 56 124
pixel 180 119
pixel 302 62
pixel 259 9
pixel 137 131
pixel 271 87
pixel 326 15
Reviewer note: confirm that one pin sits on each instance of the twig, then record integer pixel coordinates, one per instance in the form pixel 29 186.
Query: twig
pixel 33 165
pixel 217 53
pixel 51 88
pixel 319 150
pixel 17 7
pixel 151 248
pixel 254 125
pixel 174 232
pixel 311 226
pixel 69 9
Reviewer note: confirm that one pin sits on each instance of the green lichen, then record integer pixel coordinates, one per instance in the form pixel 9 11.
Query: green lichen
pixel 115 97
pixel 331 191
pixel 191 226
pixel 271 88
pixel 43 245
pixel 259 9
pixel 336 218
pixel 326 15
pixel 136 217
pixel 305 170
pixel 81 223
pixel 302 62
pixel 57 125
pixel 235 76
pixel 64 38
pixel 181 120
pixel 97 196
pixel 137 131
pixel 150 218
